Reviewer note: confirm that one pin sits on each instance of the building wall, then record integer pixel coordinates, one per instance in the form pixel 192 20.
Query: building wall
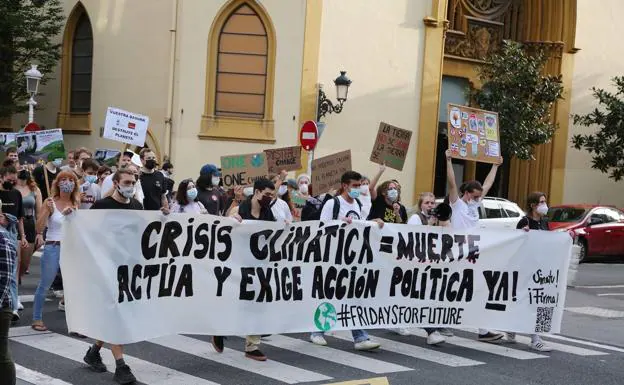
pixel 595 65
pixel 380 44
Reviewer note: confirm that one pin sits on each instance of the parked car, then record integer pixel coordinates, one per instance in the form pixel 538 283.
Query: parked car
pixel 599 229
pixel 494 213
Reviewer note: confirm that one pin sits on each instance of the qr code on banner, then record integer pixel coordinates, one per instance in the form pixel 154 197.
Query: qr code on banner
pixel 543 322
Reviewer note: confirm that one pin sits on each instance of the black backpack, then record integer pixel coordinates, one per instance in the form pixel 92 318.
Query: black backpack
pixel 336 210
pixel 312 209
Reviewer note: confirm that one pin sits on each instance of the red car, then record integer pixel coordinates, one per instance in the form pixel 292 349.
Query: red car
pixel 599 229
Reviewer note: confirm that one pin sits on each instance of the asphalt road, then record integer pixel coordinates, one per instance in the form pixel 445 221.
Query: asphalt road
pixel 590 350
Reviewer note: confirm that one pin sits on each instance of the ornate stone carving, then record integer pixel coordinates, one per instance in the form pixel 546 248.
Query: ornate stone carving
pixel 481 37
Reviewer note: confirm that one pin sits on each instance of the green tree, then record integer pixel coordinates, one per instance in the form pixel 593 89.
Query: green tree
pixel 607 143
pixel 29 32
pixel 514 86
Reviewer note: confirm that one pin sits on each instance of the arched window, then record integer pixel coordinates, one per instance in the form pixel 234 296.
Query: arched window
pixel 76 73
pixel 81 66
pixel 241 61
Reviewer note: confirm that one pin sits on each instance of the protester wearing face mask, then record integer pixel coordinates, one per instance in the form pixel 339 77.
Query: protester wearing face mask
pixel 387 206
pixel 51 168
pixel 300 196
pixel 8 262
pixel 534 220
pixel 279 206
pixel 124 183
pixel 31 201
pixel 365 197
pixel 466 212
pixel 186 199
pixel 125 160
pixel 89 189
pixel 153 183
pixel 64 200
pixel 210 194
pixel 256 207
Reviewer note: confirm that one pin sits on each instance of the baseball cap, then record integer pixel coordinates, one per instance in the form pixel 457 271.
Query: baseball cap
pixel 210 169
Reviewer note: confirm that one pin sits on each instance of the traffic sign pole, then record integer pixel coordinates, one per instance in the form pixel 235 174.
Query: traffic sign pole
pixel 308 138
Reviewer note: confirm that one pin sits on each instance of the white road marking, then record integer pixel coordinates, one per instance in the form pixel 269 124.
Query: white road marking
pixel 609 294
pixel 565 348
pixel 600 287
pixel 581 342
pixel 596 312
pixel 37 378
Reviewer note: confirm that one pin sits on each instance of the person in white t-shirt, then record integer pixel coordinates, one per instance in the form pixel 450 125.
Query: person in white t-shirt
pixel 125 160
pixel 365 197
pixel 89 189
pixel 350 210
pixel 186 201
pixel 466 212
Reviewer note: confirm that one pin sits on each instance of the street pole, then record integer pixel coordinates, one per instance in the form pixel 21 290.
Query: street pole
pixel 310 157
pixel 31 109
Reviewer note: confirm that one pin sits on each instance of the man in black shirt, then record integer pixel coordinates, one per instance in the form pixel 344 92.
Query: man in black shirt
pixel 124 184
pixel 210 194
pixel 152 183
pixel 52 169
pixel 256 207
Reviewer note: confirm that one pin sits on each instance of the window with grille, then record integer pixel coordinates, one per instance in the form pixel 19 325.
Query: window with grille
pixel 81 66
pixel 242 66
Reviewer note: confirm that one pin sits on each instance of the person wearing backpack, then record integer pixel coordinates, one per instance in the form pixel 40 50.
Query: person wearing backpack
pixel 346 207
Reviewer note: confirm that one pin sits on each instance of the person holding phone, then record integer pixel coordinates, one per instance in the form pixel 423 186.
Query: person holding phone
pixel 65 198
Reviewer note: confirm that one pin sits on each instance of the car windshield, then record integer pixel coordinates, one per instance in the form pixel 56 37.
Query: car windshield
pixel 566 214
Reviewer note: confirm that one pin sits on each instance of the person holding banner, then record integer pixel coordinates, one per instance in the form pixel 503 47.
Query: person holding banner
pixel 257 207
pixel 465 204
pixel 124 184
pixel 185 200
pixel 349 209
pixel 387 206
pixel 64 200
pixel 210 194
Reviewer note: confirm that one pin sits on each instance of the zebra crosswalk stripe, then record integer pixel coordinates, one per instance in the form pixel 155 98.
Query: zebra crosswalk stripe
pixel 37 378
pixel 270 368
pixel 145 372
pixel 565 348
pixel 415 351
pixel 333 355
pixel 586 343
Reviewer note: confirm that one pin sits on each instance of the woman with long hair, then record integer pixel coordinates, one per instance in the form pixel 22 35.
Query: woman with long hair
pixel 186 201
pixel 387 204
pixel 31 202
pixel 65 198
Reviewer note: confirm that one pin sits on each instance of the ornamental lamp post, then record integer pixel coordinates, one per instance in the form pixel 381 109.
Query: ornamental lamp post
pixel 325 105
pixel 33 76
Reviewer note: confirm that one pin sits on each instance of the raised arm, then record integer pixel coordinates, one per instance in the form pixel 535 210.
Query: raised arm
pixel 450 176
pixel 489 181
pixel 372 187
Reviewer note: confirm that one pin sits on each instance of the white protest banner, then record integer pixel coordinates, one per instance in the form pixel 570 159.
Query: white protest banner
pixel 132 281
pixel 125 127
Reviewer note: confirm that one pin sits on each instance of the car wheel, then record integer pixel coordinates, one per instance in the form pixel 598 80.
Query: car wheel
pixel 583 253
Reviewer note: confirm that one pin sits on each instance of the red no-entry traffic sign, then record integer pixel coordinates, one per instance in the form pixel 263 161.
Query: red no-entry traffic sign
pixel 32 127
pixel 308 137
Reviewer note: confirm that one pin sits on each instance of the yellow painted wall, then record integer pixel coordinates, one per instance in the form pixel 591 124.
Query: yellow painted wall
pixel 380 44
pixel 598 28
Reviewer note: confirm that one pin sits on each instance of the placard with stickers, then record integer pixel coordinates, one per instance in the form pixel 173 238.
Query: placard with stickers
pixel 473 134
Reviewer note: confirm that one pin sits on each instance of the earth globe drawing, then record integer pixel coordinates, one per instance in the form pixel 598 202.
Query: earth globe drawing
pixel 257 160
pixel 325 316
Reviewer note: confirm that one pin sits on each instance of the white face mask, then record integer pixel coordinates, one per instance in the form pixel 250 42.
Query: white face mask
pixel 126 192
pixel 364 189
pixel 303 188
pixel 248 191
pixel 215 180
pixel 542 209
pixel 282 190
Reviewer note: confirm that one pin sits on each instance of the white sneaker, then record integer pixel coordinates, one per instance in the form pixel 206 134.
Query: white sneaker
pixel 401 331
pixel 59 293
pixel 511 338
pixel 318 340
pixel 61 306
pixel 367 345
pixel 540 347
pixel 435 338
pixel 20 306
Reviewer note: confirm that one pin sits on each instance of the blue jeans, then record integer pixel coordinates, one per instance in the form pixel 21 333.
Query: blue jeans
pixel 49 268
pixel 358 335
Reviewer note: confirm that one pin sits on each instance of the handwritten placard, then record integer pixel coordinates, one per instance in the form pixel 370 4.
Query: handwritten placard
pixel 327 171
pixel 287 158
pixel 391 146
pixel 243 170
pixel 473 134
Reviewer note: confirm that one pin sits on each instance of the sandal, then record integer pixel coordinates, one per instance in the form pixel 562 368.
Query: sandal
pixel 39 327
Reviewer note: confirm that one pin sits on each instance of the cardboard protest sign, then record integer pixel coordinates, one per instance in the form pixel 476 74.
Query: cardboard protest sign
pixel 391 146
pixel 40 146
pixel 243 170
pixel 287 158
pixel 473 134
pixel 107 157
pixel 327 171
pixel 125 127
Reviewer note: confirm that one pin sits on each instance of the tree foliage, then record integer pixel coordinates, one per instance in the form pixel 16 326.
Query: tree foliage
pixel 515 87
pixel 29 32
pixel 606 145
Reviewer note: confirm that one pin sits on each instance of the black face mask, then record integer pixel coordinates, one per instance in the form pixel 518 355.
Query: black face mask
pixel 7 185
pixel 150 164
pixel 23 175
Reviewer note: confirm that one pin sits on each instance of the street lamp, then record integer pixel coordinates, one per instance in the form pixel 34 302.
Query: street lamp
pixel 33 76
pixel 325 105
